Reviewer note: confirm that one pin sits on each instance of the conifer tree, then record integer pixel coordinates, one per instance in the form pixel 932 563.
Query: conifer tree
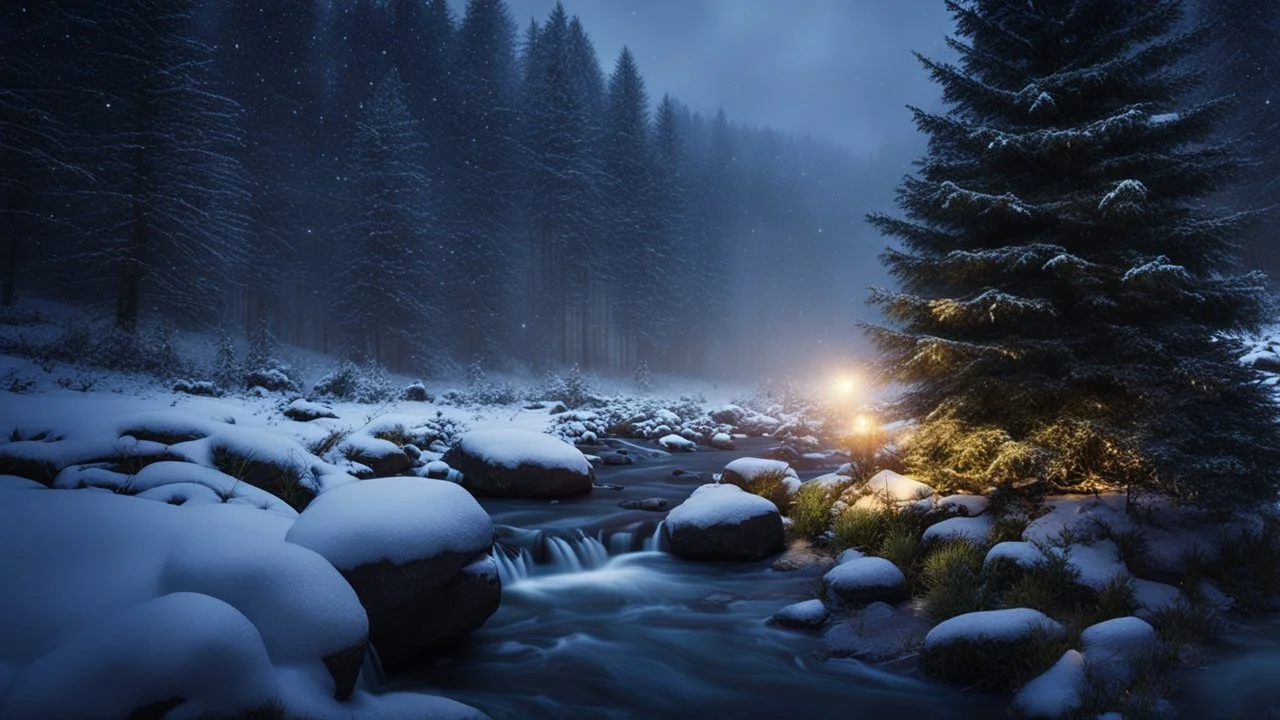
pixel 389 238
pixel 1066 307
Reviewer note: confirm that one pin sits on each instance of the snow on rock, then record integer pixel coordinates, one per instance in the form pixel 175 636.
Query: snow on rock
pixel 383 457
pixel 305 411
pixel 1099 564
pixel 970 505
pixel 894 488
pixel 520 463
pixel 974 529
pixel 397 520
pixel 721 522
pixel 864 580
pixel 723 441
pixel 1112 647
pixel 186 649
pixel 808 614
pixel 417 554
pixel 1056 693
pixel 745 471
pixel 1152 597
pixel 676 443
pixel 1000 626
pixel 830 481
pixel 305 612
pixel 1022 554
pixel 224 487
pixel 847 555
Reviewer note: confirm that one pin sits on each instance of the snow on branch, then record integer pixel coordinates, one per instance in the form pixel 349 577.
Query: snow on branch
pixel 1126 197
pixel 955 197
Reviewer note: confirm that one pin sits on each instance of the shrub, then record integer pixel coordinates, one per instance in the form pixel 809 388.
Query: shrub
pixel 1007 528
pixel 367 383
pixel 1114 600
pixel 1183 623
pixel 1248 566
pixel 811 510
pixel 417 392
pixel 901 546
pixel 857 528
pixel 285 481
pixel 952 578
pixel 1048 586
pixel 772 486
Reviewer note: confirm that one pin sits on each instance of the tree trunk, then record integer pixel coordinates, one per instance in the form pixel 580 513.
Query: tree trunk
pixel 11 251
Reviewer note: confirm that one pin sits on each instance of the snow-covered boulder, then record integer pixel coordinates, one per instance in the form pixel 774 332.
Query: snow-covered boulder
pixel 1113 647
pixel 723 441
pixel 520 463
pixel 747 471
pixel 1152 597
pixel 383 457
pixel 808 615
pixel 966 505
pixel 974 529
pixel 988 648
pixel 181 653
pixel 721 522
pixel 1056 693
pixel 417 553
pixel 889 486
pixel 677 443
pixel 864 580
pixel 304 411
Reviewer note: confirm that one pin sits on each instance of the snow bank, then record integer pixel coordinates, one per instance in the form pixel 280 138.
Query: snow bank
pixel 186 646
pixel 394 519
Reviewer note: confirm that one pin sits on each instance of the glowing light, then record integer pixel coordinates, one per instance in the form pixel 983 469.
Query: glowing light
pixel 863 425
pixel 846 384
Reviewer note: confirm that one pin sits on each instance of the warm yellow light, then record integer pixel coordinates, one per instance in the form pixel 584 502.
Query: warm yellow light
pixel 846 384
pixel 863 425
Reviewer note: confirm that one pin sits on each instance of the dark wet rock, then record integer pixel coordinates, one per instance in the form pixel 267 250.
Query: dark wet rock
pixel 616 459
pixel 878 633
pixel 800 555
pixel 489 468
pixel 721 522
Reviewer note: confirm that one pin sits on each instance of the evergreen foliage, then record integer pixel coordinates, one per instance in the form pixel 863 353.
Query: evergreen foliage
pixel 1067 308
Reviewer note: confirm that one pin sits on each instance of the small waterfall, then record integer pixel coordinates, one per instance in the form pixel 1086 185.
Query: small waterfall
pixel 653 543
pixel 513 562
pixel 371 677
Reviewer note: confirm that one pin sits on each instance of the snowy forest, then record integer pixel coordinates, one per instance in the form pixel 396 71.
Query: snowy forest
pixel 391 359
pixel 386 181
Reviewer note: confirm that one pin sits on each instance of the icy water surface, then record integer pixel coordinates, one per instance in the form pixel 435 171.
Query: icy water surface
pixel 595 623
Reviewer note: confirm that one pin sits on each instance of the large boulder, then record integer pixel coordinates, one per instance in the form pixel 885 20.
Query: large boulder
pixel 417 554
pixel 520 463
pixel 864 580
pixel 721 522
pixel 989 649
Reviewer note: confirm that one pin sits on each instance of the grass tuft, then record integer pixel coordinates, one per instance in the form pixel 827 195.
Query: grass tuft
pixel 952 578
pixel 772 486
pixel 811 510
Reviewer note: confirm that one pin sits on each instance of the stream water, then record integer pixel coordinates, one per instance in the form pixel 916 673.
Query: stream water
pixel 597 622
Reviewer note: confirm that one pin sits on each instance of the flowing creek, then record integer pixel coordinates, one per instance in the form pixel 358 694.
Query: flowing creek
pixel 597 622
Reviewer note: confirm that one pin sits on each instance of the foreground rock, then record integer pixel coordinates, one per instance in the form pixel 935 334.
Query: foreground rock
pixel 748 471
pixel 807 615
pixel 878 633
pixel 864 580
pixel 988 649
pixel 417 553
pixel 721 522
pixel 1113 649
pixel 520 463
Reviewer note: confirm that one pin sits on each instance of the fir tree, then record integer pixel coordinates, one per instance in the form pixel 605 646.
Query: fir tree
pixel 1066 309
pixel 389 236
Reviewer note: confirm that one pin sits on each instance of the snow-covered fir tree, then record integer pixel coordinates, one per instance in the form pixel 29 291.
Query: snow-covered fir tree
pixel 1067 307
pixel 389 240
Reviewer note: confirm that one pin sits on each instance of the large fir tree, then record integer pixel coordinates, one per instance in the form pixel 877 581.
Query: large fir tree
pixel 1067 310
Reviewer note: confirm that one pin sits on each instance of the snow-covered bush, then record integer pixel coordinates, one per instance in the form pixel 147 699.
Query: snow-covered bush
pixel 417 392
pixel 275 378
pixel 199 387
pixel 643 379
pixel 575 389
pixel 367 383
